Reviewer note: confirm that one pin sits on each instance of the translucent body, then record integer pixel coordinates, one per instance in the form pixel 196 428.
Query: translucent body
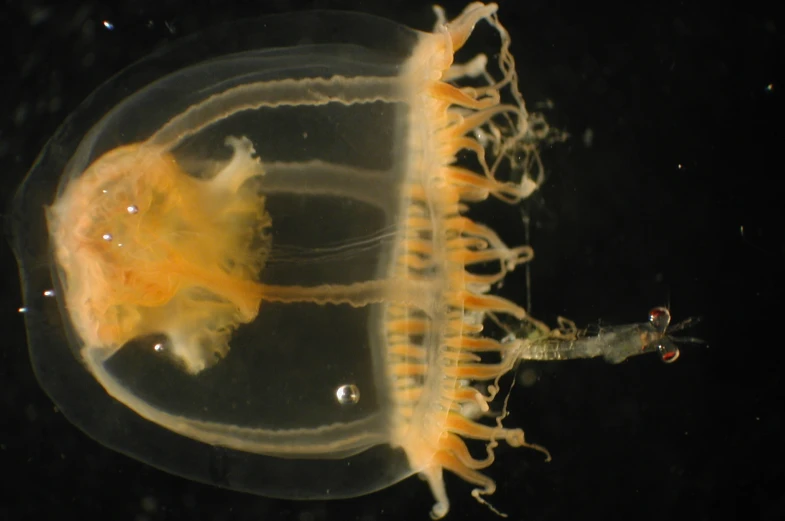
pixel 615 343
pixel 263 268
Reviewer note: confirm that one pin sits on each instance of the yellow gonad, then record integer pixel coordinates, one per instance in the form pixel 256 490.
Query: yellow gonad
pixel 130 238
pixel 267 252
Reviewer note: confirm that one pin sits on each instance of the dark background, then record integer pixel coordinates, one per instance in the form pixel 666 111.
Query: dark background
pixel 676 200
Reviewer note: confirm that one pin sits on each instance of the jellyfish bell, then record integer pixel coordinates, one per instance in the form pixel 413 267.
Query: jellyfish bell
pixel 260 253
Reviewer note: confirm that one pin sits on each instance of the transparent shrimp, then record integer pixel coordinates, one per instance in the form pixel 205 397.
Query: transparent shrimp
pixel 614 343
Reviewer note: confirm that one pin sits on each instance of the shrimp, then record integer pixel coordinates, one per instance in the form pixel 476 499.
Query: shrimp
pixel 614 343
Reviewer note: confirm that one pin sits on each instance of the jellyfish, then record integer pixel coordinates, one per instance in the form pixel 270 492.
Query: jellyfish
pixel 259 269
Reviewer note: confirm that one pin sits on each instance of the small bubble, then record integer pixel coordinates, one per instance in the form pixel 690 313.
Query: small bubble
pixel 107 236
pixel 347 394
pixel 49 293
pixel 88 59
pixel 39 15
pixel 31 413
pixel 159 347
pixel 588 137
pixel 189 501
pixel 20 114
pixel 109 25
pixel 54 104
pixel 133 209
pixel 22 310
pixel 528 377
pixel 149 504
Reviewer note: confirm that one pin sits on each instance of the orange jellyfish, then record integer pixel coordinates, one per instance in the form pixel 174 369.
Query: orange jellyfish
pixel 268 250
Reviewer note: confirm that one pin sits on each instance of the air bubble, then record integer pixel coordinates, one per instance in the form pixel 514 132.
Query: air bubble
pixel 348 394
